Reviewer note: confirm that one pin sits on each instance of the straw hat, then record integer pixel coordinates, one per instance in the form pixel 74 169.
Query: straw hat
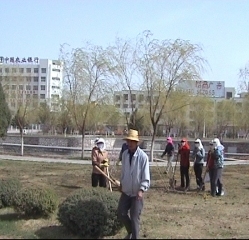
pixel 132 135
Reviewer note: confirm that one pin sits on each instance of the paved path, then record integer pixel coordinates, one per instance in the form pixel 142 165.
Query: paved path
pixel 87 162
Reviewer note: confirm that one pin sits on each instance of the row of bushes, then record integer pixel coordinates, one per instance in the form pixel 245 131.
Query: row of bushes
pixel 33 201
pixel 89 212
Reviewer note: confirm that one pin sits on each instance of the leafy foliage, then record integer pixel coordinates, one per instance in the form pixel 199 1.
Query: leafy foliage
pixel 5 114
pixel 36 201
pixel 8 188
pixel 91 212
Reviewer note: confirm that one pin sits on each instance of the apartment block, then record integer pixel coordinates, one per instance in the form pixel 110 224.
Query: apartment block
pixel 31 81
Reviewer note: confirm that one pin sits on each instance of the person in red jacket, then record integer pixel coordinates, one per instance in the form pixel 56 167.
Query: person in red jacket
pixel 210 168
pixel 184 153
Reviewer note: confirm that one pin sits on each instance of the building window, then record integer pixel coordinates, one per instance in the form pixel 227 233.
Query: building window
pixel 125 97
pixel 13 87
pixel 55 70
pixel 55 97
pixel 36 79
pixel 55 87
pixel 229 95
pixel 117 105
pixel 20 87
pixel 44 70
pixel 35 87
pixel 43 79
pixel 43 87
pixel 28 87
pixel 28 96
pixel 1 70
pixel 35 96
pixel 13 70
pixel 42 96
pixel 117 98
pixel 141 98
pixel 21 70
pixel 7 70
pixel 28 79
pixel 133 97
pixel 55 78
pixel 36 70
pixel 28 70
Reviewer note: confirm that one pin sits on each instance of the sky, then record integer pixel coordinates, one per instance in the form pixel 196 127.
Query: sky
pixel 37 28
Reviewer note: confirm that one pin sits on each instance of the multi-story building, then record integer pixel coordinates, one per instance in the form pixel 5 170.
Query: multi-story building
pixel 32 81
pixel 125 100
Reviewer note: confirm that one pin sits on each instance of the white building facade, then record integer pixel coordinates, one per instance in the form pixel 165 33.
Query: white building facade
pixel 31 80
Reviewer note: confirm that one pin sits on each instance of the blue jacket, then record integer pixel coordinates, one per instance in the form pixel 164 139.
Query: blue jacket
pixel 219 157
pixel 135 175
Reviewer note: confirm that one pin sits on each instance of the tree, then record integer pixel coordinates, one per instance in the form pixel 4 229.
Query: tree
pixel 86 82
pixel 201 115
pixel 5 114
pixel 163 64
pixel 243 116
pixel 22 105
pixel 122 57
pixel 244 77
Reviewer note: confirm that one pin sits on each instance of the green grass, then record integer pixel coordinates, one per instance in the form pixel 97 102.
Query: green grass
pixel 165 214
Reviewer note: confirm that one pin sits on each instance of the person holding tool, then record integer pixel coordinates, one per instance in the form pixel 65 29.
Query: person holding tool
pixel 134 181
pixel 100 159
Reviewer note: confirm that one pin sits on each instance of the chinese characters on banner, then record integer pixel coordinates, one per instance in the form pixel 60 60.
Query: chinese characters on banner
pixel 206 88
pixel 19 60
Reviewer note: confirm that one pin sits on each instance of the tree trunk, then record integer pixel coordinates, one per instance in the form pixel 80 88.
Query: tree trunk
pixel 22 142
pixel 152 144
pixel 82 145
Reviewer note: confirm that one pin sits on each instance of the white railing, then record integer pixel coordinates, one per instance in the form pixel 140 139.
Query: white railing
pixel 58 148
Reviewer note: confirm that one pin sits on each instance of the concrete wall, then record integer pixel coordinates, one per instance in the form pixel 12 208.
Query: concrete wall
pixel 54 143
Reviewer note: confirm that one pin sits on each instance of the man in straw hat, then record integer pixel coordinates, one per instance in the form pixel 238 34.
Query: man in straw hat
pixel 134 181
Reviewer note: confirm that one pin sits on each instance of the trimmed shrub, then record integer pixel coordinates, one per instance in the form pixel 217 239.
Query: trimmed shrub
pixel 91 212
pixel 8 188
pixel 36 202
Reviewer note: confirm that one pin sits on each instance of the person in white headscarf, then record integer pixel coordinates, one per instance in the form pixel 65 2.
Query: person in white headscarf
pixel 218 168
pixel 198 156
pixel 99 158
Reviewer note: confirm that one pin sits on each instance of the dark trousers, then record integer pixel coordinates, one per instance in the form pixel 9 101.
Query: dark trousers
pixel 217 181
pixel 98 180
pixel 198 167
pixel 184 171
pixel 212 181
pixel 132 222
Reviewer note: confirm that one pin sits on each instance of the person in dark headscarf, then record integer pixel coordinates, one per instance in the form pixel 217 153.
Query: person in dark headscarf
pixel 169 152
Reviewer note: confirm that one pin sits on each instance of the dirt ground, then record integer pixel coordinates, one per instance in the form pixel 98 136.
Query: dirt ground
pixel 166 214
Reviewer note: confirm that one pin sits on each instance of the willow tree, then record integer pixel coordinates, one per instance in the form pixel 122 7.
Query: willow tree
pixel 244 78
pixel 243 116
pixel 175 113
pixel 85 69
pixel 163 64
pixel 122 56
pixel 201 116
pixel 5 114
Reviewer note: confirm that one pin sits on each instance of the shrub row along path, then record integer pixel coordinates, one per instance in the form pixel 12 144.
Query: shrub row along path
pixel 88 162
